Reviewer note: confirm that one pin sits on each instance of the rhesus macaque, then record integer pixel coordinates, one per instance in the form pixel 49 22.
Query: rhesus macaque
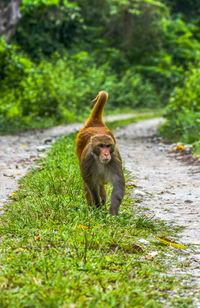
pixel 99 159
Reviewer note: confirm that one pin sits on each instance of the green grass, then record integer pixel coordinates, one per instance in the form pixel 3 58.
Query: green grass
pixel 196 148
pixel 58 252
pixel 127 110
pixel 123 122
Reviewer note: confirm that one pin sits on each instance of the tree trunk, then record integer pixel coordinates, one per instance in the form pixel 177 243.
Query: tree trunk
pixel 9 18
pixel 128 31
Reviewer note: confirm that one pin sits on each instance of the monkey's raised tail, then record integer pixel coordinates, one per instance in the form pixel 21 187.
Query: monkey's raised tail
pixel 97 111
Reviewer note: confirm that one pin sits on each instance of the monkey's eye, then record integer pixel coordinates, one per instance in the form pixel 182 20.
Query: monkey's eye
pixel 101 145
pixel 108 145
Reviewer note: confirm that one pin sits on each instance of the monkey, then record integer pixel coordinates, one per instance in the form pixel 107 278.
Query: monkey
pixel 99 159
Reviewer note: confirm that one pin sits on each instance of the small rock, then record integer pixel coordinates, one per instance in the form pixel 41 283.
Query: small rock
pixel 47 140
pixel 142 240
pixel 139 192
pixel 42 148
pixel 188 201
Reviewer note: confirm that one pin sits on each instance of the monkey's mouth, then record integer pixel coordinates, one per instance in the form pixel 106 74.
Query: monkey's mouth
pixel 105 160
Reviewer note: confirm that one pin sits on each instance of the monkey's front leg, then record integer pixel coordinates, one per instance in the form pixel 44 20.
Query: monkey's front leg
pixel 117 193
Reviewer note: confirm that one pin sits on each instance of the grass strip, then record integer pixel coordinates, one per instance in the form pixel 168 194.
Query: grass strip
pixel 16 125
pixel 58 252
pixel 123 122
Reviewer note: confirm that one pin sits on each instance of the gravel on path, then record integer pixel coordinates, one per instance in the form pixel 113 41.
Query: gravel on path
pixel 168 189
pixel 167 186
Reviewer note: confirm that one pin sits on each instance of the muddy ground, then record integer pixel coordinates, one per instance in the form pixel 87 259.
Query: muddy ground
pixel 168 188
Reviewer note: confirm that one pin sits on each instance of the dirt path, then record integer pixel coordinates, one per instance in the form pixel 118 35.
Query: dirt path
pixel 167 188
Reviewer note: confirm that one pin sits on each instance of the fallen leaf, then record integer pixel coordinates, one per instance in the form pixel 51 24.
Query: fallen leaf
pixel 23 146
pixel 108 258
pixel 179 147
pixel 81 299
pixel 13 196
pixel 19 249
pixel 9 259
pixel 132 273
pixel 138 248
pixel 37 281
pixel 83 227
pixel 114 245
pixel 8 175
pixel 131 185
pixel 196 260
pixel 166 241
pixel 151 255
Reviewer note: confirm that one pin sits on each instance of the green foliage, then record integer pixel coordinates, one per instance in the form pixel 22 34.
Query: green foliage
pixel 58 252
pixel 133 91
pixel 183 111
pixel 190 9
pixel 48 26
pixel 180 41
pixel 122 34
pixel 136 50
pixel 61 89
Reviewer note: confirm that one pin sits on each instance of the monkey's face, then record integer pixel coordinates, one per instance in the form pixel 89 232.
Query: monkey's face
pixel 103 147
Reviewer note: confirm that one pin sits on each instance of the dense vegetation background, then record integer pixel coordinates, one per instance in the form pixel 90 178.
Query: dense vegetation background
pixel 144 53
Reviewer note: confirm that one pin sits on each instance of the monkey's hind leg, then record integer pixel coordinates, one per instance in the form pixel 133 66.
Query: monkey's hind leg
pixel 103 194
pixel 87 195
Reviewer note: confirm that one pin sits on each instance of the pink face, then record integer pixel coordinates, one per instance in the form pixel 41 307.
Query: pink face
pixel 105 152
pixel 103 146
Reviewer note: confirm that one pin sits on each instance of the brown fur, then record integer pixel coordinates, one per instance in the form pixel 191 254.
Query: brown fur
pixel 99 159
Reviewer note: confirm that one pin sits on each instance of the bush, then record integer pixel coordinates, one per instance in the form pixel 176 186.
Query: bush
pixel 60 89
pixel 131 91
pixel 48 26
pixel 183 111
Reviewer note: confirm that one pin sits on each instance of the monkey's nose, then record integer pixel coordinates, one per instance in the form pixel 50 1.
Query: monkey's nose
pixel 106 156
